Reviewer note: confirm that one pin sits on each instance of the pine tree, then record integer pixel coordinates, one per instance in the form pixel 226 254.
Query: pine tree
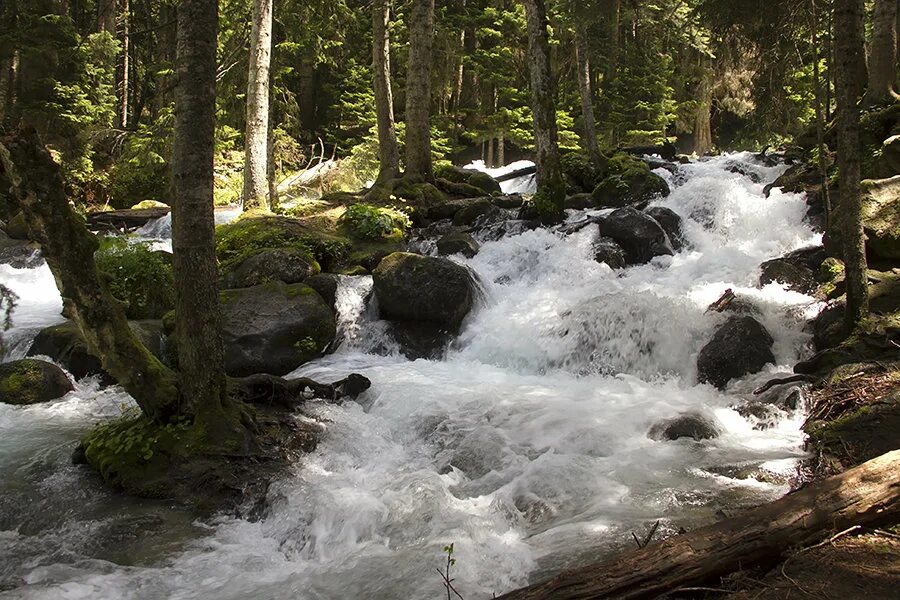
pixel 418 89
pixel 256 153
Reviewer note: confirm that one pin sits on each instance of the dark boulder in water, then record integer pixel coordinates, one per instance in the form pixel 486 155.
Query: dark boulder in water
pixel 671 223
pixel 688 425
pixel 795 277
pixel 274 328
pixel 606 250
pixel 288 265
pixel 31 381
pixel 458 243
pixel 19 254
pixel 739 347
pixel 640 235
pixel 410 287
pixel 326 284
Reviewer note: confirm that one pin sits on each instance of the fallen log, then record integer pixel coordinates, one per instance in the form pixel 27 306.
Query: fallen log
pixel 865 495
pixel 516 174
pixel 127 219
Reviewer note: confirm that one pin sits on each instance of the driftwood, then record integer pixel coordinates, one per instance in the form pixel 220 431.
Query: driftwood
pixel 722 303
pixel 126 219
pixel 865 495
pixel 782 381
pixel 516 174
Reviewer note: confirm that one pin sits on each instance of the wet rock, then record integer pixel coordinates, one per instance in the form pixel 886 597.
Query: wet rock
pixel 30 381
pixel 458 243
pixel 579 202
pixel 508 201
pixel 472 177
pixel 475 211
pixel 410 287
pixel 671 223
pixel 273 328
pixel 606 250
pixel 881 219
pixel 630 182
pixel 639 235
pixel 448 209
pixel 288 265
pixel 420 340
pixel 689 425
pixel 739 347
pixel 744 170
pixel 65 345
pixel 19 254
pixel 796 278
pixel 326 284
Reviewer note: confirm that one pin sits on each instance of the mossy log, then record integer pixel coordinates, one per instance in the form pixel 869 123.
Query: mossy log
pixel 866 495
pixel 68 248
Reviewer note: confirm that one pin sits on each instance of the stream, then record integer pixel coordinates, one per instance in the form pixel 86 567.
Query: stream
pixel 526 447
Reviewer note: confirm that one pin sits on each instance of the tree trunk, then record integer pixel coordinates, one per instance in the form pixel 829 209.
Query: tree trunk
pixel 201 361
pixel 613 20
pixel 866 495
pixel 106 16
pixel 551 191
pixel 820 116
pixel 490 164
pixel 256 153
pixel 702 125
pixel 583 60
pixel 883 53
pixel 849 88
pixel 68 247
pixel 388 152
pixel 123 63
pixel 501 150
pixel 418 89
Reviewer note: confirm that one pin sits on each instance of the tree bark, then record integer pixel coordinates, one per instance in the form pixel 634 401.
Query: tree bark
pixel 550 196
pixel 501 150
pixel 201 358
pixel 123 62
pixel 256 147
pixel 866 495
pixel 820 117
pixel 702 118
pixel 883 53
pixel 583 60
pixel 388 152
pixel 849 88
pixel 418 89
pixel 69 248
pixel 613 19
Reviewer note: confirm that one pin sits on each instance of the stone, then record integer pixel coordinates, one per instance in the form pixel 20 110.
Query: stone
pixel 458 243
pixel 475 211
pixel 19 254
pixel 640 235
pixel 881 219
pixel 606 250
pixel 30 381
pixel 795 278
pixel 630 182
pixel 579 202
pixel 688 425
pixel 671 223
pixel 326 284
pixel 288 265
pixel 273 328
pixel 739 347
pixel 410 287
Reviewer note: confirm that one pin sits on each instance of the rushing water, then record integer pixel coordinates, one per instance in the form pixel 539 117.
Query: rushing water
pixel 526 446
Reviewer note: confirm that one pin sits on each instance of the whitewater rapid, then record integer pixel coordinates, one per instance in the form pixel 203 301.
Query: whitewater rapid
pixel 526 446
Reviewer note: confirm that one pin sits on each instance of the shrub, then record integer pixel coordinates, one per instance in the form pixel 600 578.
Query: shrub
pixel 138 276
pixel 368 222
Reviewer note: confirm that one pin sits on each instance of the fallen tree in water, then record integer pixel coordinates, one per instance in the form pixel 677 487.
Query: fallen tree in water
pixel 866 495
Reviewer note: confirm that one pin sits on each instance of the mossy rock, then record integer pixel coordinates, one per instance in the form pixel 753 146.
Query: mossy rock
pixel 473 211
pixel 881 219
pixel 459 190
pixel 237 241
pixel 16 227
pixel 580 170
pixel 421 195
pixel 288 265
pixel 628 182
pixel 479 180
pixel 31 381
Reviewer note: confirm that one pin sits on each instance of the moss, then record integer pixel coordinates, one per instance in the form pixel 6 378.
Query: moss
pixel 144 204
pixel 354 270
pixel 422 194
pixel 21 380
pixel 138 276
pixel 579 168
pixel 550 199
pixel 368 222
pixel 628 180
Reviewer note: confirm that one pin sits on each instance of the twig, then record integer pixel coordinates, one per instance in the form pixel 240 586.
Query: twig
pixel 649 536
pixel 832 539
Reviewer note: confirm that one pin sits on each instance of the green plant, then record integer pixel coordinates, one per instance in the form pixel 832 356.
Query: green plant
pixel 138 276
pixel 369 222
pixel 445 574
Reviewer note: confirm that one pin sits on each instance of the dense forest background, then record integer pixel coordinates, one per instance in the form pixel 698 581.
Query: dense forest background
pixel 97 79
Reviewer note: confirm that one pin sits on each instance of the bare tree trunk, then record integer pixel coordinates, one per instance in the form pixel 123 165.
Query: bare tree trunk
pixel 613 20
pixel 201 360
pixel 501 150
pixel 883 53
pixel 702 125
pixel 418 89
pixel 867 495
pixel 849 88
pixel 551 192
pixel 123 66
pixel 68 248
pixel 388 152
pixel 820 117
pixel 256 146
pixel 106 16
pixel 583 60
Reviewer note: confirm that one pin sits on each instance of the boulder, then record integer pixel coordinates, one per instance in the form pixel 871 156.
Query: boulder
pixel 794 277
pixel 881 219
pixel 739 347
pixel 629 182
pixel 410 287
pixel 458 243
pixel 326 284
pixel 579 202
pixel 419 339
pixel 273 328
pixel 19 254
pixel 639 235
pixel 474 211
pixel 472 177
pixel 65 345
pixel 16 228
pixel 29 381
pixel 288 265
pixel 688 425
pixel 671 223
pixel 606 250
